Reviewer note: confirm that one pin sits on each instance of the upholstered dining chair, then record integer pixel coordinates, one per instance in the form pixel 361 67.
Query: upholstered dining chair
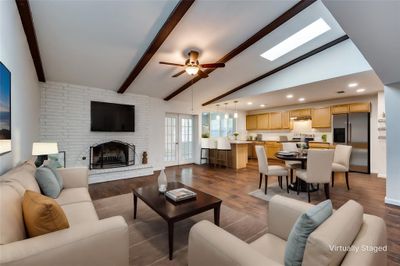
pixel 292 165
pixel 319 168
pixel 270 170
pixel 341 162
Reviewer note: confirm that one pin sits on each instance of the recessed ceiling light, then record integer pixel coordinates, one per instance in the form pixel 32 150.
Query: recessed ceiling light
pixel 360 90
pixel 262 105
pixel 249 103
pixel 289 96
pixel 352 85
pixel 301 37
pixel 301 99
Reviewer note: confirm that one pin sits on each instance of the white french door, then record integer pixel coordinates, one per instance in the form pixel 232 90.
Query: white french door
pixel 178 139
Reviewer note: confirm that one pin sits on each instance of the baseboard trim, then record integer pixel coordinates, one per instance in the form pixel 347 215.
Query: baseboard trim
pixel 392 201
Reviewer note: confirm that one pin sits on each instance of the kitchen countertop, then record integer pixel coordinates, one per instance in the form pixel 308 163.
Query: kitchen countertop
pixel 240 142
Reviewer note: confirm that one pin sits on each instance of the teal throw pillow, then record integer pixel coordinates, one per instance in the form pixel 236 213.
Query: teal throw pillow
pixel 47 182
pixel 57 175
pixel 304 226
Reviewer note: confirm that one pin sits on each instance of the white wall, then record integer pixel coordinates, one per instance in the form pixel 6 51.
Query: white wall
pixel 25 93
pixel 378 159
pixel 392 100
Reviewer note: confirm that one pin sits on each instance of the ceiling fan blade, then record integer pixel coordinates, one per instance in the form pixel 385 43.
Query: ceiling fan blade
pixel 202 74
pixel 178 74
pixel 171 64
pixel 213 65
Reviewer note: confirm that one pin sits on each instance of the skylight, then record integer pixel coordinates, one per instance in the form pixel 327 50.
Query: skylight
pixel 301 37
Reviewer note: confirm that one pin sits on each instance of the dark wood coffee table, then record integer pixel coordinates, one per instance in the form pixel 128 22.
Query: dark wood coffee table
pixel 173 212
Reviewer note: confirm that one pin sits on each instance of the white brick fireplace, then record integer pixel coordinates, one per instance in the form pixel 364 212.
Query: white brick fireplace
pixel 65 119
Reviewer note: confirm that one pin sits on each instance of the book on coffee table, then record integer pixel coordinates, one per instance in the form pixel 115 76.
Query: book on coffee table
pixel 180 194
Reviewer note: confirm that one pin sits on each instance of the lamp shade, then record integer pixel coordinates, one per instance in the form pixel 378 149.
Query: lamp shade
pixel 44 148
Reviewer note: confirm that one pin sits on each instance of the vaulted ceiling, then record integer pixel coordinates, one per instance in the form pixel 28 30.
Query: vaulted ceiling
pixel 97 43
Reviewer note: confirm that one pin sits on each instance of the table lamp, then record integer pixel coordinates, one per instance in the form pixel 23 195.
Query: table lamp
pixel 42 149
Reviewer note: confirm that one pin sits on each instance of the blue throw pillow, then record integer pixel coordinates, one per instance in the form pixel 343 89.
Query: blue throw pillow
pixel 57 175
pixel 304 226
pixel 47 182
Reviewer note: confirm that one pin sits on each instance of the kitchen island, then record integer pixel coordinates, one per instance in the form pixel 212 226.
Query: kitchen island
pixel 239 154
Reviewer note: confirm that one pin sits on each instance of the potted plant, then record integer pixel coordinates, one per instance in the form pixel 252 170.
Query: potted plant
pixel 205 135
pixel 324 137
pixel 236 134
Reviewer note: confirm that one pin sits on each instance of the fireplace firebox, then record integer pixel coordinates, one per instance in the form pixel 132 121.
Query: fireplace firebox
pixel 112 154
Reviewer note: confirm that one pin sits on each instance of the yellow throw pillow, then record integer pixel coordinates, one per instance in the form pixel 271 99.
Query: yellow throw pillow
pixel 42 214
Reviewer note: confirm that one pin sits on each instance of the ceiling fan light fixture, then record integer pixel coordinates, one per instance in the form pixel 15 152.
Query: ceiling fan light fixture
pixel 192 70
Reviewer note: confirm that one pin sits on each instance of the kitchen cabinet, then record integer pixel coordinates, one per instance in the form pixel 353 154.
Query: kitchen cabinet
pixel 263 121
pixel 251 122
pixel 272 147
pixel 320 145
pixel 360 108
pixel 321 117
pixel 300 113
pixel 275 120
pixel 285 120
pixel 340 109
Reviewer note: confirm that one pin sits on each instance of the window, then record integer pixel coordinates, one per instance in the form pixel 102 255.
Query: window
pixel 215 124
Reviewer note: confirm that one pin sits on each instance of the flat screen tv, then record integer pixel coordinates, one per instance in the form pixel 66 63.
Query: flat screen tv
pixel 112 117
pixel 5 103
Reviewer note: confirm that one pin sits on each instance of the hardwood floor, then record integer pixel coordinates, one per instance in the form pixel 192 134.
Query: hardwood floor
pixel 233 186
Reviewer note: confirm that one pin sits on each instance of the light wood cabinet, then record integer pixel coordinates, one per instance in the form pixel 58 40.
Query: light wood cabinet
pixel 320 145
pixel 360 107
pixel 251 122
pixel 340 109
pixel 321 117
pixel 272 147
pixel 300 112
pixel 263 121
pixel 275 120
pixel 285 120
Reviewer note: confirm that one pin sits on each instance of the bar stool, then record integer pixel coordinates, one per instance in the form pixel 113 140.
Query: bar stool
pixel 223 149
pixel 205 147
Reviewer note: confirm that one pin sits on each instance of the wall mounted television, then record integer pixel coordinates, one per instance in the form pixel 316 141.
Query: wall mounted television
pixel 111 117
pixel 5 103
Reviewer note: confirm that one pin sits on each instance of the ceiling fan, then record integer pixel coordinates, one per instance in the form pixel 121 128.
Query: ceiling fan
pixel 192 66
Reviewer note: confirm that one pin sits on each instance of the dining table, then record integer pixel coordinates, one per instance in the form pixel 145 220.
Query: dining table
pixel 298 157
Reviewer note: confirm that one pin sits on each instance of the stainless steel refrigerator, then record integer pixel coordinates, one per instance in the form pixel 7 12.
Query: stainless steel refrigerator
pixel 354 129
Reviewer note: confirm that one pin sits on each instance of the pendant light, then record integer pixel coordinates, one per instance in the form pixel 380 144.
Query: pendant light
pixel 226 114
pixel 218 117
pixel 235 115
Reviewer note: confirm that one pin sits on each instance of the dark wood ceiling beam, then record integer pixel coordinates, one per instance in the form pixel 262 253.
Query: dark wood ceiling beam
pixel 27 23
pixel 288 64
pixel 293 11
pixel 173 19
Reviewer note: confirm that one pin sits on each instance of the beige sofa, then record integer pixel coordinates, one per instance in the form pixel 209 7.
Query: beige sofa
pixel 88 240
pixel 348 227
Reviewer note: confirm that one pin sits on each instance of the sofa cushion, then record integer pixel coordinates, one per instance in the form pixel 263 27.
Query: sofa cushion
pixel 48 182
pixel 271 247
pixel 339 230
pixel 81 212
pixel 11 220
pixel 42 214
pixel 73 195
pixel 24 175
pixel 301 230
